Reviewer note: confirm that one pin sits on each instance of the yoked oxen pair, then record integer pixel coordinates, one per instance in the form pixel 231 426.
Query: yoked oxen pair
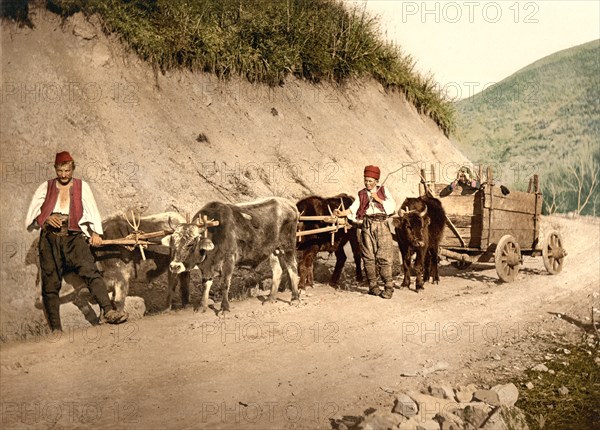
pixel 246 235
pixel 419 231
pixel 309 246
pixel 119 265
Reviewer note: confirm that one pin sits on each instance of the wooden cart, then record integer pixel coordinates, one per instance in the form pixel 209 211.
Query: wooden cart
pixel 484 224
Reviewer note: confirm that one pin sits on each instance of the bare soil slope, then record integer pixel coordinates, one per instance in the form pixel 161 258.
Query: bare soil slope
pixel 175 141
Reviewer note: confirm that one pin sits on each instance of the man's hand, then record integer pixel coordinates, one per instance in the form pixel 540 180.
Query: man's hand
pixel 95 240
pixel 54 221
pixel 375 197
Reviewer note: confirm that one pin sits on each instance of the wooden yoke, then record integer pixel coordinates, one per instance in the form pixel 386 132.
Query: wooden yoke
pixel 338 222
pixel 135 225
pixel 206 223
pixel 137 238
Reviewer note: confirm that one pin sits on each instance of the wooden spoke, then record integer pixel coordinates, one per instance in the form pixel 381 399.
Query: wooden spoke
pixel 553 253
pixel 507 258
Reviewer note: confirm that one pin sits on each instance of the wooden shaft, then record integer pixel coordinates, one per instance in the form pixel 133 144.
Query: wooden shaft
pixel 324 218
pixel 456 255
pixel 317 230
pixel 155 234
pixel 126 242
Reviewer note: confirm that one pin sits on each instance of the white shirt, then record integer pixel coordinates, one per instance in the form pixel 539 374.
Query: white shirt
pixel 389 205
pixel 89 222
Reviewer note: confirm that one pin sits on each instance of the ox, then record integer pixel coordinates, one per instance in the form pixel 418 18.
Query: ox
pixel 419 231
pixel 308 246
pixel 119 264
pixel 247 234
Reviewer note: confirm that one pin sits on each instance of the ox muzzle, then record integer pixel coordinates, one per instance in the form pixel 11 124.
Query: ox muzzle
pixel 177 267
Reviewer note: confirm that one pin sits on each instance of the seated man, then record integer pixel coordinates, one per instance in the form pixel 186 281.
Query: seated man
pixel 464 179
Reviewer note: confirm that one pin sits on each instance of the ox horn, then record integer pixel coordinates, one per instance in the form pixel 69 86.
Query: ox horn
pixel 422 214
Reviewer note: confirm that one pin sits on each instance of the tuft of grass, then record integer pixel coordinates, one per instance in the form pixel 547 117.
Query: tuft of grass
pixel 266 41
pixel 546 408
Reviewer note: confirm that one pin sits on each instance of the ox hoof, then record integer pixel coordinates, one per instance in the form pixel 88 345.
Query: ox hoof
pixel 270 300
pixel 295 302
pixel 222 313
pixel 419 289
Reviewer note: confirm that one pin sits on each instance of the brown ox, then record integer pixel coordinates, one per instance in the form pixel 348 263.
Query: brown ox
pixel 419 231
pixel 308 246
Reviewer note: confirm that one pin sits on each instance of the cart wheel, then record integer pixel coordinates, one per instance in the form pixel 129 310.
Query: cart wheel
pixel 507 258
pixel 461 265
pixel 553 253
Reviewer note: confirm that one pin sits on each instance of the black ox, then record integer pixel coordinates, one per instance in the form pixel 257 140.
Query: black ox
pixel 247 234
pixel 119 265
pixel 419 231
pixel 310 245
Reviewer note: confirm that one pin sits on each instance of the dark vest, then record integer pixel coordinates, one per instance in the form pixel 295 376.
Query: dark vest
pixel 363 196
pixel 75 204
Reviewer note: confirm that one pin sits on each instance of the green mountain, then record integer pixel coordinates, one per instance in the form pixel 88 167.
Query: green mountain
pixel 543 119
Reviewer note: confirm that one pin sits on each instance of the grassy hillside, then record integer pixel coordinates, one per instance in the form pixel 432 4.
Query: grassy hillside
pixel 263 40
pixel 545 118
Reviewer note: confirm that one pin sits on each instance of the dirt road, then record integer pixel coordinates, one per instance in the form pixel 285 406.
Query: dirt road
pixel 278 366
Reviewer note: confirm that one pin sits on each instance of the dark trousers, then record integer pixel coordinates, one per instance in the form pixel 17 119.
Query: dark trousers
pixel 63 254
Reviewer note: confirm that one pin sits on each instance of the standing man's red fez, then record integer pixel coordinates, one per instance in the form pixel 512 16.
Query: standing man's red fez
pixel 62 157
pixel 372 172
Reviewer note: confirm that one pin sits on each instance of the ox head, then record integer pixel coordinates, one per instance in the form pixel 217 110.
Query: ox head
pixel 189 245
pixel 414 227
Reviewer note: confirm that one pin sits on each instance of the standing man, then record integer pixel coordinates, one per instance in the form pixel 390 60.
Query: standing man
pixel 65 210
pixel 372 208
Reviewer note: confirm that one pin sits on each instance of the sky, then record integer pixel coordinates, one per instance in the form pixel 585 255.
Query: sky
pixel 468 45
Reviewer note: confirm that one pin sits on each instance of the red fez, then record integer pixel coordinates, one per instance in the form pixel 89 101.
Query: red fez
pixel 62 157
pixel 372 172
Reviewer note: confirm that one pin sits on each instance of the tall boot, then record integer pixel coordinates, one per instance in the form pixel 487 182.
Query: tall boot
pixel 52 308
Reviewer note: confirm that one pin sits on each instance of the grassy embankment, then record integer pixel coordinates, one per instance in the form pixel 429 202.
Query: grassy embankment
pixel 264 41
